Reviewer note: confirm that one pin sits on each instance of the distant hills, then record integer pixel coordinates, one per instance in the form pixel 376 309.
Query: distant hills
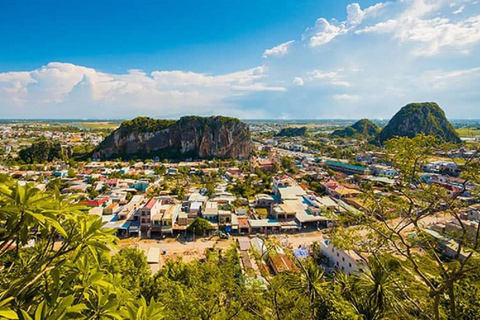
pixel 189 137
pixel 419 118
pixel 413 119
pixel 361 129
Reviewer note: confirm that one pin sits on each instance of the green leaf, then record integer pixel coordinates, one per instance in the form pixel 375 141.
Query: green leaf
pixel 8 314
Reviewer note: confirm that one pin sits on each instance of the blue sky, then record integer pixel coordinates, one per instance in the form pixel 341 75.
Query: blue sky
pixel 251 59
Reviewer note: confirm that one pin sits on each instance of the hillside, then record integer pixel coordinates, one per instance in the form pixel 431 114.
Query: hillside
pixel 417 118
pixel 292 132
pixel 361 129
pixel 189 137
pixel 44 150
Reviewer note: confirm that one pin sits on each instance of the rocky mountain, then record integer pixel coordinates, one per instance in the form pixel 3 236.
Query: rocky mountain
pixel 189 137
pixel 292 132
pixel 417 118
pixel 44 150
pixel 363 129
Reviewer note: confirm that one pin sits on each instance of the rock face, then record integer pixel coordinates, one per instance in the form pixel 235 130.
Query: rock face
pixel 362 129
pixel 417 118
pixel 189 137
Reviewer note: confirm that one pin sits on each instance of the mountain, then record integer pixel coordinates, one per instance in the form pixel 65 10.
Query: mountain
pixel 417 118
pixel 44 150
pixel 189 137
pixel 292 132
pixel 362 128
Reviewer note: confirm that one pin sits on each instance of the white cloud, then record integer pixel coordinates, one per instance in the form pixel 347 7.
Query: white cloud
pixel 61 89
pixel 298 81
pixel 458 73
pixel 459 10
pixel 355 14
pixel 346 97
pixel 278 51
pixel 323 32
pixel 430 33
pixel 369 65
pixel 332 78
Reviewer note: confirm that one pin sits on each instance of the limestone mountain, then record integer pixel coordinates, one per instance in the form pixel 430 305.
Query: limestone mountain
pixel 189 137
pixel 362 128
pixel 44 150
pixel 292 132
pixel 419 118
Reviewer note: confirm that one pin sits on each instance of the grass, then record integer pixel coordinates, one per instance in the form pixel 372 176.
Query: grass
pixel 99 125
pixel 468 132
pixel 261 211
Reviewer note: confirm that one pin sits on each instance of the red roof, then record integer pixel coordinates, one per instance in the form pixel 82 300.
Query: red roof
pixel 96 203
pixel 151 203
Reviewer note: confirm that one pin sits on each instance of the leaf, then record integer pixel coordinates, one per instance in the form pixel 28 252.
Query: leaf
pixel 4 302
pixel 8 314
pixel 36 216
pixel 38 312
pixel 56 225
pixel 25 315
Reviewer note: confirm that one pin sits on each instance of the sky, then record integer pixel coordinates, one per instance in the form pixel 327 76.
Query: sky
pixel 263 59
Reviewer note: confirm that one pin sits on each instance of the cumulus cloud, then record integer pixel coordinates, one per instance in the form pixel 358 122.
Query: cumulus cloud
pixel 278 51
pixel 298 81
pixel 66 90
pixel 369 64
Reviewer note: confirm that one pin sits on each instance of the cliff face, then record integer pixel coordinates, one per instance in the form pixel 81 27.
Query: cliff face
pixel 417 118
pixel 197 137
pixel 362 129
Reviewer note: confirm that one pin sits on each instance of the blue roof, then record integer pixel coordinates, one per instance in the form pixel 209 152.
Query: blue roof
pixel 345 165
pixel 300 253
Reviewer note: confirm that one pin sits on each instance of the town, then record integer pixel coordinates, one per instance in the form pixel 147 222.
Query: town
pixel 290 186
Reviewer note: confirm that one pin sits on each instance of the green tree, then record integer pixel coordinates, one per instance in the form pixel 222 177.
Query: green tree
pixel 200 226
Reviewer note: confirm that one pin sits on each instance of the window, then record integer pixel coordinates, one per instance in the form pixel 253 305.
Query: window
pixel 343 259
pixel 333 250
pixel 350 265
pixel 338 254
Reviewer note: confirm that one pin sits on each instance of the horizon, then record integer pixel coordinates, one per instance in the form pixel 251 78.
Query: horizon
pixel 262 60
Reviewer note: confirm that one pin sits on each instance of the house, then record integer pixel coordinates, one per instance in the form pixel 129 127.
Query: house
pixel 346 168
pixel 210 212
pixel 347 261
pixel 263 200
pixel 281 263
pixel 151 209
pixel 110 209
pixel 283 212
pixel 224 217
pixel 99 202
pixel 264 225
pixel 194 209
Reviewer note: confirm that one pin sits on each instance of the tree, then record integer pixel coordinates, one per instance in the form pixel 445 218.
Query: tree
pixel 42 280
pixel 406 235
pixel 200 226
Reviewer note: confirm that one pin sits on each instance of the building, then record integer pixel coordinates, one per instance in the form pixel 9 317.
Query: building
pixel 346 168
pixel 150 210
pixel 210 212
pixel 347 261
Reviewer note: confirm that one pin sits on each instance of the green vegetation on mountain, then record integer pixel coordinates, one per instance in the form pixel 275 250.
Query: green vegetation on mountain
pixel 292 132
pixel 361 129
pixel 41 151
pixel 419 118
pixel 144 124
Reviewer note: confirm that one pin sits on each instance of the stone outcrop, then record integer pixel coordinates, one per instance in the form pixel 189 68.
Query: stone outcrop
pixel 189 137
